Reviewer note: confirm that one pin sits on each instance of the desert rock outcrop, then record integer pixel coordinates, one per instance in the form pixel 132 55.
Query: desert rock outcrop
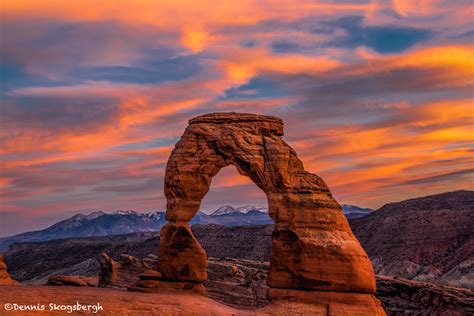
pixel 5 278
pixel 313 246
pixel 408 297
pixel 124 272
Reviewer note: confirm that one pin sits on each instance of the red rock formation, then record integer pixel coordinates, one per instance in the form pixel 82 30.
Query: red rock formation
pixel 181 257
pixel 123 272
pixel 5 278
pixel 237 282
pixel 313 247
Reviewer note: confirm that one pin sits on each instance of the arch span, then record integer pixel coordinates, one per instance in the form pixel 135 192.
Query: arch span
pixel 313 247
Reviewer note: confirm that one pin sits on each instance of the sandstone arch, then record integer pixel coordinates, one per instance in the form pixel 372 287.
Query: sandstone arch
pixel 313 248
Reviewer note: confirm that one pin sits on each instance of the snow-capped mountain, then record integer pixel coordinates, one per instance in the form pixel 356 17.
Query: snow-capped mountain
pixel 229 210
pixel 93 224
pixel 352 211
pixel 128 212
pixel 223 210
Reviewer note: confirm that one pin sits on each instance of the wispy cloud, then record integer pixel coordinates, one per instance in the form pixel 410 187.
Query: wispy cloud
pixel 376 96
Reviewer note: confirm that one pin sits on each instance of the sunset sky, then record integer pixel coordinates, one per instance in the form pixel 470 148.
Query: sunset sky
pixel 376 96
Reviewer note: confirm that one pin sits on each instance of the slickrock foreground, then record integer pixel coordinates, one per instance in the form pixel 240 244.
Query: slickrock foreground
pixel 118 302
pixel 71 280
pixel 315 256
pixel 113 301
pixel 5 278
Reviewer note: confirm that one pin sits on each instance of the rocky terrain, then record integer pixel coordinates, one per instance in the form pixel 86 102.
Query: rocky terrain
pixel 242 284
pixel 402 240
pixel 426 239
pixel 251 242
pixel 36 262
pixel 408 297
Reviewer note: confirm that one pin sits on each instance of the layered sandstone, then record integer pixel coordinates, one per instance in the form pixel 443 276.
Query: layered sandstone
pixel 313 246
pixel 123 272
pixel 5 278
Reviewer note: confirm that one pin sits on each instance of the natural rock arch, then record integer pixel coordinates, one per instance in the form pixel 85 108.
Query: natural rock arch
pixel 313 247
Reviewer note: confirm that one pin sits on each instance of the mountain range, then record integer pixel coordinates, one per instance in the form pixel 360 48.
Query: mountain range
pixel 352 211
pixel 124 222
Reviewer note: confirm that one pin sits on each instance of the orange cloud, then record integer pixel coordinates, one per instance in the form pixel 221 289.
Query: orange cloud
pixel 361 159
pixel 415 8
pixel 454 63
pixel 194 39
pixel 242 64
pixel 166 13
pixel 384 120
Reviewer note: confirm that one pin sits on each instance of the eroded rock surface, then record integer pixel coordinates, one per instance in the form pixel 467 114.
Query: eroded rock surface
pixel 313 246
pixel 71 280
pixel 181 257
pixel 242 284
pixel 5 278
pixel 123 272
pixel 407 297
pixel 237 282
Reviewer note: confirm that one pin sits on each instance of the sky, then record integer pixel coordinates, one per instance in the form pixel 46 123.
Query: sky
pixel 376 96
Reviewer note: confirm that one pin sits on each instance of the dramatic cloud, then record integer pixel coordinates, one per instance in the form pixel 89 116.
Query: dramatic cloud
pixel 376 97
